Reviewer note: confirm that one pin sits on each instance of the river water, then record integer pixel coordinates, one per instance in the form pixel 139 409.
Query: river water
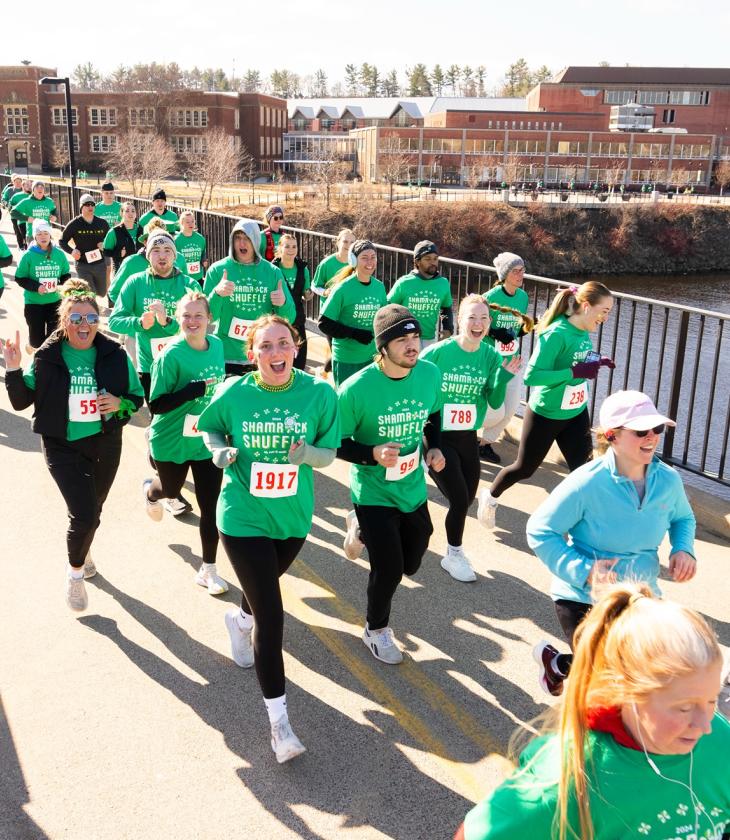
pixel 705 291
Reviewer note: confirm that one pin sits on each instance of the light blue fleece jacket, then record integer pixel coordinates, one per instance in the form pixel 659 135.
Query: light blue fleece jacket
pixel 601 512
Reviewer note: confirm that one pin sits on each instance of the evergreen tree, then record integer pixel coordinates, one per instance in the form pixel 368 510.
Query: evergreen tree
pixel 418 81
pixel 389 85
pixel 352 79
pixel 481 75
pixel 453 74
pixel 86 76
pixel 437 79
pixel 251 81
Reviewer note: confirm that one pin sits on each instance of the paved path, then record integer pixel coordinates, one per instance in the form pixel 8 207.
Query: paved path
pixel 131 721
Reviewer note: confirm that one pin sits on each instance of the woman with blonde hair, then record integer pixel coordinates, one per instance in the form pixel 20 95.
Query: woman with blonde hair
pixel 296 274
pixel 637 748
pixel 558 372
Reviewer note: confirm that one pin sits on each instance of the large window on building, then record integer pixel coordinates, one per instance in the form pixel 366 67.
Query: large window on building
pixel 102 143
pixel 653 97
pixel 610 149
pixel 60 141
pixel 689 97
pixel 189 117
pixel 526 147
pixel 102 116
pixel 570 147
pixel 618 97
pixel 16 119
pixel 141 117
pixel 58 115
pixel 189 143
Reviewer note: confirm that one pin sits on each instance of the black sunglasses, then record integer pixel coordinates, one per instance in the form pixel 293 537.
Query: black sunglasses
pixel 644 432
pixel 76 318
pixel 277 218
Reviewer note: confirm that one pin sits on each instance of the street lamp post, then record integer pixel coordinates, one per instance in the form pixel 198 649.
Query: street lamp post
pixel 56 80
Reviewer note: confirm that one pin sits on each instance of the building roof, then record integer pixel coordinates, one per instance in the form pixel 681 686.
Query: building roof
pixel 383 108
pixel 644 75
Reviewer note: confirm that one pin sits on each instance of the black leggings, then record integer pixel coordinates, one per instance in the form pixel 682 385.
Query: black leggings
pixel 570 614
pixel 168 483
pixel 538 435
pixel 259 562
pixel 19 228
pixel 84 471
pixel 459 479
pixel 42 320
pixel 300 325
pixel 396 543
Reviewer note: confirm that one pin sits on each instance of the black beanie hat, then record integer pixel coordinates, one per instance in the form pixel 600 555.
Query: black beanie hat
pixel 393 321
pixel 424 247
pixel 108 187
pixel 159 194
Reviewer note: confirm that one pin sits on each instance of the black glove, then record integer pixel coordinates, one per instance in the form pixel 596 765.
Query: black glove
pixel 585 370
pixel 502 335
pixel 363 336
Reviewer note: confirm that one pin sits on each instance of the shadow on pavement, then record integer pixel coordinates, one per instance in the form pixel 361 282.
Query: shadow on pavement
pixel 15 432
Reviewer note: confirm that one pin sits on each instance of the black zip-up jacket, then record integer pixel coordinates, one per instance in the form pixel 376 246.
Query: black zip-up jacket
pixel 53 381
pixel 86 235
pixel 298 291
pixel 126 240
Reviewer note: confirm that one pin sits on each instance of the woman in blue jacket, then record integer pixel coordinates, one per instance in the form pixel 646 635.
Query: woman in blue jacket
pixel 616 510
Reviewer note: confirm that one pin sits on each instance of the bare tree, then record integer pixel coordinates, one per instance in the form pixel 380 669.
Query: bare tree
pixel 326 169
pixel 657 172
pixel 491 164
pixel 679 177
pixel 474 173
pixel 60 157
pixel 512 168
pixel 615 172
pixel 217 162
pixel 394 164
pixel 142 158
pixel 722 174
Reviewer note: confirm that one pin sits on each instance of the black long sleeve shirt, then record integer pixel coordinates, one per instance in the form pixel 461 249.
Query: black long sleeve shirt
pixel 86 236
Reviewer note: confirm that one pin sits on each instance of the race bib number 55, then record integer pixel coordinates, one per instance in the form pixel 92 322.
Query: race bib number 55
pixel 83 408
pixel 274 481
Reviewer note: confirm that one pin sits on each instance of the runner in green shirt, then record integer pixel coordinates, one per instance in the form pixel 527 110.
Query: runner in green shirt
pixel 267 430
pixel 14 186
pixel 109 209
pixel 384 411
pixel 558 372
pixel 242 287
pixel 270 235
pixel 183 379
pixel 159 211
pixel 41 270
pixel 36 206
pixel 347 316
pixel 18 219
pixel 508 303
pixel 427 294
pixel 6 259
pixel 122 240
pixel 192 246
pixel 296 274
pixel 473 376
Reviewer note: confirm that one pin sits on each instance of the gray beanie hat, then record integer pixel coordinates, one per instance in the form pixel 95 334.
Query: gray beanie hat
pixel 505 262
pixel 159 239
pixel 393 321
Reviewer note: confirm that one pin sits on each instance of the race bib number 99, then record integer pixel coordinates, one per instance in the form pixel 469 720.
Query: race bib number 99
pixel 404 466
pixel 274 481
pixel 238 328
pixel 459 417
pixel 574 396
pixel 83 408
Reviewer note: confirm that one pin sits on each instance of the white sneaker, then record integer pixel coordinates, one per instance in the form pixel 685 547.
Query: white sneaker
pixel 458 566
pixel 209 577
pixel 284 742
pixel 154 509
pixel 177 507
pixel 381 644
pixel 76 597
pixel 353 544
pixel 487 509
pixel 241 643
pixel 89 567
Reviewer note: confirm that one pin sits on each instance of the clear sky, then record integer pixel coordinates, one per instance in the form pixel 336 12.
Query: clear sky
pixel 305 35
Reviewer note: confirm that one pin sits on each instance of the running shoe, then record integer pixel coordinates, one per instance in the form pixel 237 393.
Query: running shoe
pixel 241 643
pixel 76 596
pixel 551 680
pixel 381 644
pixel 89 567
pixel 284 742
pixel 154 509
pixel 177 507
pixel 209 577
pixel 486 453
pixel 458 566
pixel 487 509
pixel 353 544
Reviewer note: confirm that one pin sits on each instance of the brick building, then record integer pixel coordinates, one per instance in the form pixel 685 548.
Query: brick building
pixel 34 120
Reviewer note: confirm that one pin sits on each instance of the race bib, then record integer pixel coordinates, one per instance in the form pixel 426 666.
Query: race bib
pixel 193 268
pixel 574 396
pixel 274 481
pixel 157 345
pixel 93 256
pixel 83 408
pixel 506 349
pixel 190 426
pixel 458 417
pixel 404 466
pixel 238 328
pixel 49 285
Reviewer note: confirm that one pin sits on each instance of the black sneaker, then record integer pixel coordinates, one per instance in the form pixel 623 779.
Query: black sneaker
pixel 551 680
pixel 486 453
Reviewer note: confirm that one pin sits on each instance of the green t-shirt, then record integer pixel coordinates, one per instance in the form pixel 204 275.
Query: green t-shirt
pixel 192 248
pixel 354 304
pixel 262 494
pixel 251 298
pixel 290 275
pixel 555 393
pixel 262 243
pixel 172 223
pixel 626 798
pixel 468 382
pixel 15 201
pixel 83 412
pixel 174 435
pixel 519 301
pixel 326 270
pixel 8 193
pixel 375 409
pixel 139 291
pixel 46 267
pixel 110 240
pixel 133 264
pixel 111 213
pixel 425 298
pixel 36 208
pixel 4 254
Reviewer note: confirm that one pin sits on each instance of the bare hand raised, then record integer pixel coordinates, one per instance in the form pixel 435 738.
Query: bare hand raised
pixel 11 352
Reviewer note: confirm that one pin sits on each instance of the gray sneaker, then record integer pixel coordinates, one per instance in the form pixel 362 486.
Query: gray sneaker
pixel 76 596
pixel 381 644
pixel 284 742
pixel 153 509
pixel 241 641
